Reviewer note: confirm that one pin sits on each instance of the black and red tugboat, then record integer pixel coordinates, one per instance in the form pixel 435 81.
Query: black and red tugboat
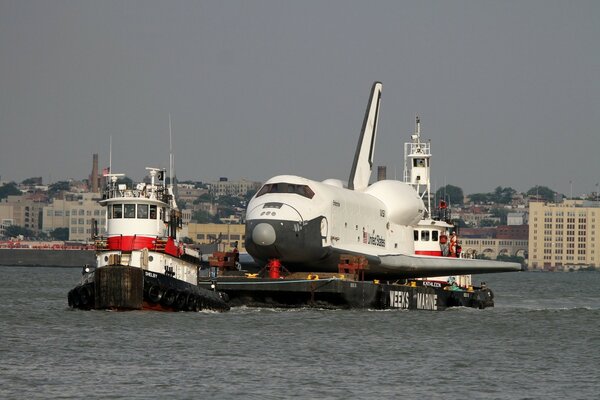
pixel 141 264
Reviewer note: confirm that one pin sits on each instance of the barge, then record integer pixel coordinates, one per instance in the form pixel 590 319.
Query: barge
pixel 275 287
pixel 377 245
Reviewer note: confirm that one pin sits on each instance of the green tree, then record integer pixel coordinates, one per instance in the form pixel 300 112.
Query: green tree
pixel 203 198
pixel 503 195
pixel 501 213
pixel 32 181
pixel 229 201
pixel 542 191
pixel 452 194
pixel 60 234
pixel 249 195
pixel 125 180
pixel 480 198
pixel 15 230
pixel 9 189
pixel 487 222
pixel 224 212
pixel 57 187
pixel 203 217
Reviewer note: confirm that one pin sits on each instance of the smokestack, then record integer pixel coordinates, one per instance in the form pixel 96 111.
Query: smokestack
pixel 94 176
pixel 381 173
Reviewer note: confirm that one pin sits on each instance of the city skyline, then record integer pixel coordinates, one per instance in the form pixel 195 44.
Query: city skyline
pixel 210 180
pixel 507 92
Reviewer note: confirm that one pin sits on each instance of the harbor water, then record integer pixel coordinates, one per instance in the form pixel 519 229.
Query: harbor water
pixel 541 340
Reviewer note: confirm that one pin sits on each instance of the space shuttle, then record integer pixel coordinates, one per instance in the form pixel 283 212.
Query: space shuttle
pixel 307 225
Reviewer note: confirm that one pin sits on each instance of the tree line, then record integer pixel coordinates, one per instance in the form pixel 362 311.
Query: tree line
pixel 501 195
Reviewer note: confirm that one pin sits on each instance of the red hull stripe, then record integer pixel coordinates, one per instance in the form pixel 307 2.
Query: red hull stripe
pixel 429 252
pixel 129 243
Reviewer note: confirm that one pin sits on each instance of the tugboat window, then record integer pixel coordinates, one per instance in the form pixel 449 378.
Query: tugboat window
pixel 118 211
pixel 434 236
pixel 425 236
pixel 152 212
pixel 416 235
pixel 129 210
pixel 142 211
pixel 109 212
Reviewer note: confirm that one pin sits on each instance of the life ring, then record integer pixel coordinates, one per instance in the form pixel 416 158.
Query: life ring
pixel 443 239
pixel 154 294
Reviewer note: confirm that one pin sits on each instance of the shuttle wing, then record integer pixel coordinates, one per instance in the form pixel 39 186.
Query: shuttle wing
pixel 423 266
pixel 401 266
pixel 363 157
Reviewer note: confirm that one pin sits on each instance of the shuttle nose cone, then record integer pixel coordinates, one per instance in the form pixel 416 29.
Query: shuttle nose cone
pixel 263 234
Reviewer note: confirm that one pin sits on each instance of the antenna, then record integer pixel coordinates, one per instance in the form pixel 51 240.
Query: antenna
pixel 170 153
pixel 110 154
pixel 571 194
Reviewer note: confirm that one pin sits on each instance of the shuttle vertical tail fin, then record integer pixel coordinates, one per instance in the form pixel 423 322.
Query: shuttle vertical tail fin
pixel 363 158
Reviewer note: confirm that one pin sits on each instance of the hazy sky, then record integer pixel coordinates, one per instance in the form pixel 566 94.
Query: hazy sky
pixel 508 91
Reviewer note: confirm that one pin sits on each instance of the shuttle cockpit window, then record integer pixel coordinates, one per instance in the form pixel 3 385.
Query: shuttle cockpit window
pixel 283 187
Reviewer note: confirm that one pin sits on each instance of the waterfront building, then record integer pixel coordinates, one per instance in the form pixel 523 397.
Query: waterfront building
pixel 6 218
pixel 186 216
pixel 23 211
pixel 56 215
pixel 516 218
pixel 474 215
pixel 493 247
pixel 503 240
pixel 225 187
pixel 188 194
pixel 83 211
pixel 564 236
pixel 228 234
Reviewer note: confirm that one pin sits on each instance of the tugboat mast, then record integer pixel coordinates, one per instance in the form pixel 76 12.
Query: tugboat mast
pixel 417 155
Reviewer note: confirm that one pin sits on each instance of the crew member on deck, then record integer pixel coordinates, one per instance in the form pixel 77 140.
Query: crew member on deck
pixel 453 244
pixel 236 256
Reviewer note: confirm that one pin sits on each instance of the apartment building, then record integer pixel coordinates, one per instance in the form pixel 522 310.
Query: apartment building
pixel 225 187
pixel 228 234
pixel 22 211
pixel 564 236
pixel 83 211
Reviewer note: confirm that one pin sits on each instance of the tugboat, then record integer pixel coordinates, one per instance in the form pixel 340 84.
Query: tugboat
pixel 436 235
pixel 141 264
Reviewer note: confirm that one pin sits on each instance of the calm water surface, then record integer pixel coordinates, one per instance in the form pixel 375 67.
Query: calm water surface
pixel 541 341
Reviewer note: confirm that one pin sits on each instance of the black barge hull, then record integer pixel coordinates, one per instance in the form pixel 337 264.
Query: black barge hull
pixel 129 288
pixel 341 293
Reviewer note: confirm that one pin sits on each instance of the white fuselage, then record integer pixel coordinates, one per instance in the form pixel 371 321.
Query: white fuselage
pixel 313 222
